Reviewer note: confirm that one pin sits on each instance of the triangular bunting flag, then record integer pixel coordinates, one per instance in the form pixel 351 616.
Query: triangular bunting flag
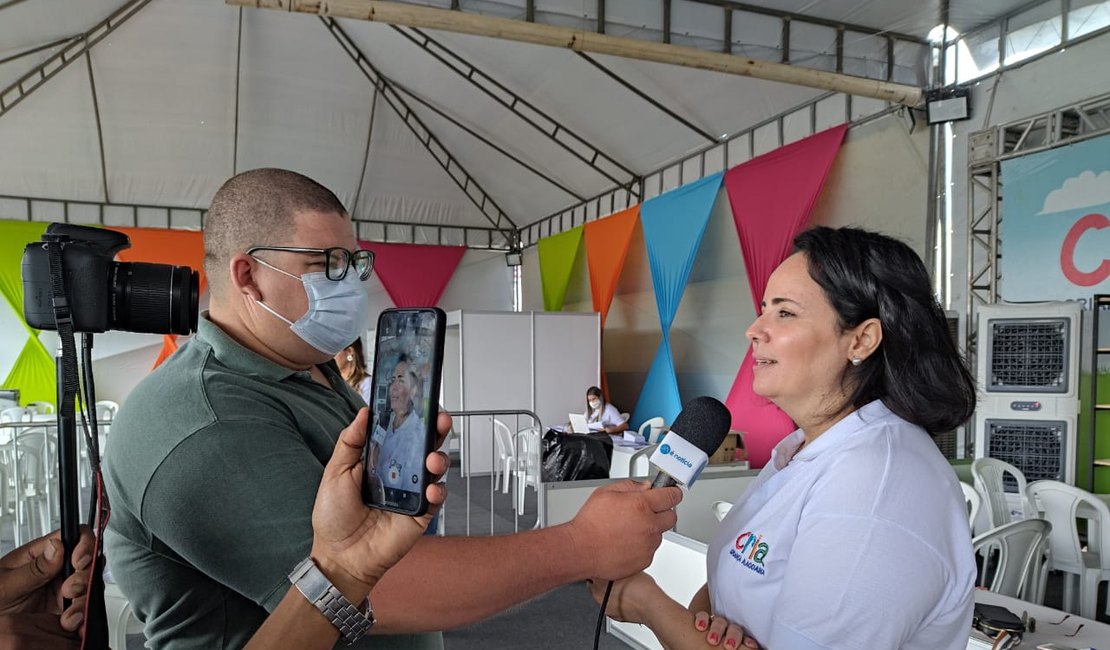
pixel 674 224
pixel 558 254
pixel 414 275
pixel 772 197
pixel 607 242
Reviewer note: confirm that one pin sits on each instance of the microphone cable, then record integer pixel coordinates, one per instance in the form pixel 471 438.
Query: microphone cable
pixel 601 614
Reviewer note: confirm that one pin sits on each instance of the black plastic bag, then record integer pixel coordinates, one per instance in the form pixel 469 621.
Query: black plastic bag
pixel 576 457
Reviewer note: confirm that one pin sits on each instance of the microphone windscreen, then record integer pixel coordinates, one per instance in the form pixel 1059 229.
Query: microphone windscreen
pixel 704 423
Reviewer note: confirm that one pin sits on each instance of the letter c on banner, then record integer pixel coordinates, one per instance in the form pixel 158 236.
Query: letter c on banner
pixel 1093 221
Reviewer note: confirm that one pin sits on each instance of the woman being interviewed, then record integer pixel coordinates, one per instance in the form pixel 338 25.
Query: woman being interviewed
pixel 855 534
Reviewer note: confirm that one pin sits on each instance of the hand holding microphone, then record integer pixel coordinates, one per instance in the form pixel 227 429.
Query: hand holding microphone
pixel 684 452
pixel 698 431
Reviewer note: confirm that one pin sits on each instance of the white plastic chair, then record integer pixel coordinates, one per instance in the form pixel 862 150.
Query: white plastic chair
pixel 527 466
pixel 121 619
pixel 973 500
pixel 720 509
pixel 106 409
pixel 42 408
pixel 639 464
pixel 1021 547
pixel 15 414
pixel 1062 504
pixel 506 455
pixel 989 474
pixel 38 473
pixel 649 428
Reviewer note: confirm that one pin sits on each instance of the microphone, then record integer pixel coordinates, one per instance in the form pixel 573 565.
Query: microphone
pixel 683 453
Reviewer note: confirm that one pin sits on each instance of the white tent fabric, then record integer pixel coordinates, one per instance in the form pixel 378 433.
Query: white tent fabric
pixel 191 91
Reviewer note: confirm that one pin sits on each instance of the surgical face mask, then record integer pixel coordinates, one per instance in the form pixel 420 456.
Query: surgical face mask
pixel 337 310
pixel 595 403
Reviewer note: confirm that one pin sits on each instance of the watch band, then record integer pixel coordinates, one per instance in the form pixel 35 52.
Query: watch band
pixel 351 621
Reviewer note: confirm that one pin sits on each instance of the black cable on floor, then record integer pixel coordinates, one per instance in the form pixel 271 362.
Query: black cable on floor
pixel 601 614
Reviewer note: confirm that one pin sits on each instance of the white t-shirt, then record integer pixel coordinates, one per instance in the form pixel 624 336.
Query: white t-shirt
pixel 401 454
pixel 860 540
pixel 608 416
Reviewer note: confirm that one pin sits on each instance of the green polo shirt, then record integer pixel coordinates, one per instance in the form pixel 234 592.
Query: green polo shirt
pixel 211 469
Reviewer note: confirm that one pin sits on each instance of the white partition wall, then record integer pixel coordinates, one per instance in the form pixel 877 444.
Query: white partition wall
pixel 536 361
pixel 567 362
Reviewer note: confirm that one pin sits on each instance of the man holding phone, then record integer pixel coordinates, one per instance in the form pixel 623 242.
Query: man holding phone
pixel 217 455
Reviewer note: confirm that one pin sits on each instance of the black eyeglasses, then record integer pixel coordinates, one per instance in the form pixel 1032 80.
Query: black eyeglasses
pixel 337 259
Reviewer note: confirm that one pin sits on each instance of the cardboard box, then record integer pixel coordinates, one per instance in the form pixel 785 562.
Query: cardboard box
pixel 726 453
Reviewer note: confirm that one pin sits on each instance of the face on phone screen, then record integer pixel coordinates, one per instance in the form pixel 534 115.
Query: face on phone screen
pixel 404 404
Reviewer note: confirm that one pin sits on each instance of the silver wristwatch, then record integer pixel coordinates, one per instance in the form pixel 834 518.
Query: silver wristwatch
pixel 351 621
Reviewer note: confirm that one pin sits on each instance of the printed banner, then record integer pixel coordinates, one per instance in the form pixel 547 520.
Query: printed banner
pixel 1055 230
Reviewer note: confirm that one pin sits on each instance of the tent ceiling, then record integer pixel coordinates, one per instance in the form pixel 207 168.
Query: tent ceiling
pixel 186 96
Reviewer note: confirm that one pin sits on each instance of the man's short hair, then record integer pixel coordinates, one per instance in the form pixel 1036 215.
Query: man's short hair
pixel 256 208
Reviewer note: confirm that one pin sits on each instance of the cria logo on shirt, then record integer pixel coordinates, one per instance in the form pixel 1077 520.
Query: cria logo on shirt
pixel 750 551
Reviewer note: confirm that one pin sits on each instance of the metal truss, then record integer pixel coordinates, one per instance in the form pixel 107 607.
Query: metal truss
pixel 79 46
pixel 466 182
pixel 126 215
pixel 138 215
pixel 1064 125
pixel 655 103
pixel 596 16
pixel 558 133
pixel 1067 124
pixel 710 159
pixel 405 232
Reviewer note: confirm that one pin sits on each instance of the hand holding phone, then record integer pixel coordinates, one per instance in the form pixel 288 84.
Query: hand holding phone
pixel 352 544
pixel 408 361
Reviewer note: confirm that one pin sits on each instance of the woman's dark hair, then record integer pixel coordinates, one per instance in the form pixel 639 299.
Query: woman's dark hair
pixel 358 365
pixel 917 371
pixel 593 391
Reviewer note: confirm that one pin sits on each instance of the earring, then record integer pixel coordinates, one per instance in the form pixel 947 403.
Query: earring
pixel 856 361
pixel 350 357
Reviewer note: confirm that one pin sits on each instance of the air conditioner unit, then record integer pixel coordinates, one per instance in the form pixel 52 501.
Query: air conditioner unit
pixel 1027 370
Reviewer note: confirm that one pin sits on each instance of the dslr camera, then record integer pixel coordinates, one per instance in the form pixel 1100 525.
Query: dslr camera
pixel 104 294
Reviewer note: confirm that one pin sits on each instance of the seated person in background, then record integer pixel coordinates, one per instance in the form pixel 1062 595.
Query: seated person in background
pixel 352 366
pixel 597 410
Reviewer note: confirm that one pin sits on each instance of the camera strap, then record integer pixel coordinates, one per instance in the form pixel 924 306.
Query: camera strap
pixel 96 619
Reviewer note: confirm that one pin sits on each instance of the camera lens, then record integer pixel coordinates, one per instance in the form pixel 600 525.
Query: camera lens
pixel 154 298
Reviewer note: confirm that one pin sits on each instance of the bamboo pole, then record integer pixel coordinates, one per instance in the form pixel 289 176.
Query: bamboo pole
pixel 395 13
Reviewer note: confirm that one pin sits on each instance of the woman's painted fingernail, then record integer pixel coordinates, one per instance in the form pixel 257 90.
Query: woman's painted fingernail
pixel 731 643
pixel 700 625
pixel 713 637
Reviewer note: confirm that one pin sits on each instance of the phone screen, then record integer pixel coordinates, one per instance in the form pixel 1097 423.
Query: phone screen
pixel 404 404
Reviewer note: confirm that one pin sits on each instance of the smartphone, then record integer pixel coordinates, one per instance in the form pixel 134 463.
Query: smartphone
pixel 404 405
pixel 996 619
